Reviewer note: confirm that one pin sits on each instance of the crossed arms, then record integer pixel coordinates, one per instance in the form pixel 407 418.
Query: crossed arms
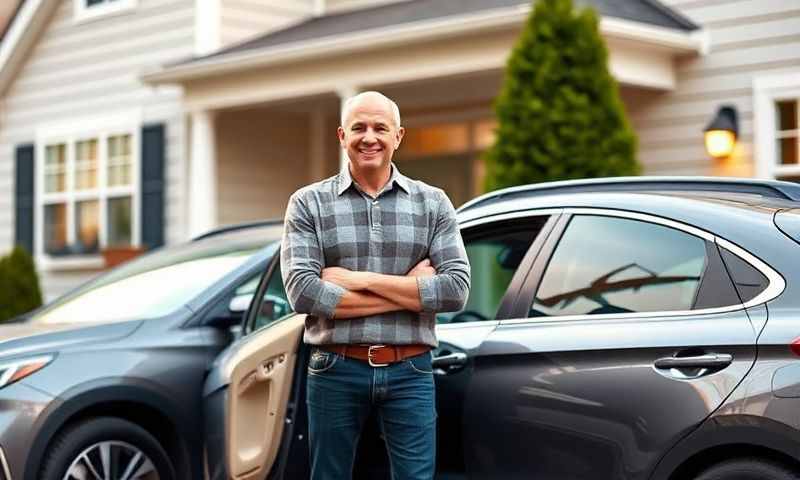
pixel 439 283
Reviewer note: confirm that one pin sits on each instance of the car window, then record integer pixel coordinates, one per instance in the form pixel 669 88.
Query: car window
pixel 274 303
pixel 157 283
pixel 749 281
pixel 495 252
pixel 618 265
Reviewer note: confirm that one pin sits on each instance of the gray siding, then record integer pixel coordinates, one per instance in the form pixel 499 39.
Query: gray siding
pixel 91 68
pixel 341 5
pixel 748 38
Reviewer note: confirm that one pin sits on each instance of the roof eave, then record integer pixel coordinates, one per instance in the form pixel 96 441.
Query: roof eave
pixel 21 32
pixel 676 41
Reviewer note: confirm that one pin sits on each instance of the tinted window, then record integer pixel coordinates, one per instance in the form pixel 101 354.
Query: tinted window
pixel 749 281
pixel 617 265
pixel 274 303
pixel 495 252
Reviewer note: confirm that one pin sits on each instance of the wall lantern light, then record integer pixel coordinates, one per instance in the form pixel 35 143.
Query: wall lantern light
pixel 721 133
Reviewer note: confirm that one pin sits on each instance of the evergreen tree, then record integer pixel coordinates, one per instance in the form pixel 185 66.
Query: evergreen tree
pixel 559 112
pixel 19 284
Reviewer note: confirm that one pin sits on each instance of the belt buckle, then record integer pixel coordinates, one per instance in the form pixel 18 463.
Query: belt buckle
pixel 369 356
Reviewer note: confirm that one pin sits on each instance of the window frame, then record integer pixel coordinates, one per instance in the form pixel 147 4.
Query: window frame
pixel 506 309
pixel 84 12
pixel 70 134
pixel 768 90
pixel 521 307
pixel 273 267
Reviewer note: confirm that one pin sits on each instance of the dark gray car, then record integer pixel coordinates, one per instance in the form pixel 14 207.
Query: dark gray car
pixel 616 329
pixel 106 381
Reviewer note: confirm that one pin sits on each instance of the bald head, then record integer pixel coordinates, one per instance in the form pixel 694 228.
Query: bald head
pixel 372 96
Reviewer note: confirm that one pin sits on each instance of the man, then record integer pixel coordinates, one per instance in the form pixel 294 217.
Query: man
pixel 371 255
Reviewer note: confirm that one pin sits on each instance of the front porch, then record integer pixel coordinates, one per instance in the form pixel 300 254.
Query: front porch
pixel 262 153
pixel 262 126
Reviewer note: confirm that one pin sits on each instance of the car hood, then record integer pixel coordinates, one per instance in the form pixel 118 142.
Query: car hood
pixel 26 338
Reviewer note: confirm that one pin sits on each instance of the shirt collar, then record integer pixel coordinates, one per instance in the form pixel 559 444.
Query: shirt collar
pixel 346 180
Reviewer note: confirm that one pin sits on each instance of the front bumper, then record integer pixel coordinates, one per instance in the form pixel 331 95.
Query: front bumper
pixel 20 409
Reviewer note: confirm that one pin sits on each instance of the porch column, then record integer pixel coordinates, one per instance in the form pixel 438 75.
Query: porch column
pixel 202 174
pixel 345 93
pixel 318 140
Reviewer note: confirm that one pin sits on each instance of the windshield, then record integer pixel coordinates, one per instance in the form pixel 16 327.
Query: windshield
pixel 159 283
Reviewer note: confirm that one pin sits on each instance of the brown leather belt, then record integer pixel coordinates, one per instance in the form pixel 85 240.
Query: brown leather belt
pixel 378 355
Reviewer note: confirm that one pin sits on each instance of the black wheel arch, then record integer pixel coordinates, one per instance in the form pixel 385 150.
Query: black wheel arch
pixel 730 436
pixel 137 400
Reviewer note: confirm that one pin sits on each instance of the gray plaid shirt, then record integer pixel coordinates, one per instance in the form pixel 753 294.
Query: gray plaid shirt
pixel 334 223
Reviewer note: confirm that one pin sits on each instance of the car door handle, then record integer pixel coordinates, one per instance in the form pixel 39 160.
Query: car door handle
pixel 711 360
pixel 451 360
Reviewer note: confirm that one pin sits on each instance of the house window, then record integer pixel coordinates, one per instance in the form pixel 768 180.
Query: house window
pixel 777 126
pixel 89 9
pixel 448 138
pixel 786 119
pixel 88 194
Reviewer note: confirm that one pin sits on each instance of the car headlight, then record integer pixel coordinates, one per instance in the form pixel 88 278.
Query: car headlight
pixel 17 370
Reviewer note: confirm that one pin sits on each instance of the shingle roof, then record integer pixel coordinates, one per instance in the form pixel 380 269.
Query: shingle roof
pixel 645 11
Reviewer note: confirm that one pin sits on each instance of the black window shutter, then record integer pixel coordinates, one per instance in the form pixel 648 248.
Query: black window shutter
pixel 23 199
pixel 152 208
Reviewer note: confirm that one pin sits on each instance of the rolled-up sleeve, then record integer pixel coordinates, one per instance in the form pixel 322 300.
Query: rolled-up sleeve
pixel 448 289
pixel 302 262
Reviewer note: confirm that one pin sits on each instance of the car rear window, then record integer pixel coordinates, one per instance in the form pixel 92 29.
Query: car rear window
pixel 749 281
pixel 788 222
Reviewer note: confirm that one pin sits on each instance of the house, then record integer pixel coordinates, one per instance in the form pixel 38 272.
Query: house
pixel 212 112
pixel 91 157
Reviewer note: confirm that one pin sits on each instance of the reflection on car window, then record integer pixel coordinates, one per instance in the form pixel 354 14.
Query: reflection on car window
pixel 156 284
pixel 494 254
pixel 274 303
pixel 618 265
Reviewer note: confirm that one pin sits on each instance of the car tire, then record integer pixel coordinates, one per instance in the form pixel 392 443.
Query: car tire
pixel 81 447
pixel 748 469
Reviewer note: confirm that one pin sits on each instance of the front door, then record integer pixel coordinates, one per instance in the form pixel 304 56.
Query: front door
pixel 500 252
pixel 247 392
pixel 625 339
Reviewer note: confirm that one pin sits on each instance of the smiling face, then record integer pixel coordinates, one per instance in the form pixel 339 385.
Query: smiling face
pixel 369 133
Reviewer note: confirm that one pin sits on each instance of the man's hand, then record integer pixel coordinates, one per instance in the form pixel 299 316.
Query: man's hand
pixel 353 281
pixel 422 269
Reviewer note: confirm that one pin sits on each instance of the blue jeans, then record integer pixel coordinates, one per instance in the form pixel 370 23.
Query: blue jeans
pixel 341 392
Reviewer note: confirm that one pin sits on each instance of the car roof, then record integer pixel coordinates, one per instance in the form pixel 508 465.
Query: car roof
pixel 742 219
pixel 270 226
pixel 718 187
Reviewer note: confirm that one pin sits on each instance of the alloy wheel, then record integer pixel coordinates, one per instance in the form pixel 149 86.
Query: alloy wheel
pixel 112 460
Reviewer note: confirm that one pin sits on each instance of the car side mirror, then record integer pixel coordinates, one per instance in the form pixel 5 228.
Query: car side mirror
pixel 240 303
pixel 232 318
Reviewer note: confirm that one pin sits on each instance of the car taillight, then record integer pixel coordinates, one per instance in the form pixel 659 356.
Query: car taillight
pixel 795 346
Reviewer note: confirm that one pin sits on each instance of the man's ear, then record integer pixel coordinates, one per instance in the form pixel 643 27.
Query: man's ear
pixel 340 134
pixel 400 132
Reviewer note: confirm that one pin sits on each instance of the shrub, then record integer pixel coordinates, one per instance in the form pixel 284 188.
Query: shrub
pixel 19 284
pixel 559 112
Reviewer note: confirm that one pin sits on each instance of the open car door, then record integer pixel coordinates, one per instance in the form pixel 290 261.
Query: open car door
pixel 245 401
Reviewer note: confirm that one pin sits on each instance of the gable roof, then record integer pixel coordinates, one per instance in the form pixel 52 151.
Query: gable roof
pixel 20 34
pixel 644 11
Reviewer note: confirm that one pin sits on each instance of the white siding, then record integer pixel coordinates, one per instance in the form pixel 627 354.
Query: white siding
pixel 748 38
pixel 91 69
pixel 243 19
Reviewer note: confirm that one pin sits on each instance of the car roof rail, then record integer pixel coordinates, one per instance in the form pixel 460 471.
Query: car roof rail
pixel 767 188
pixel 238 226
